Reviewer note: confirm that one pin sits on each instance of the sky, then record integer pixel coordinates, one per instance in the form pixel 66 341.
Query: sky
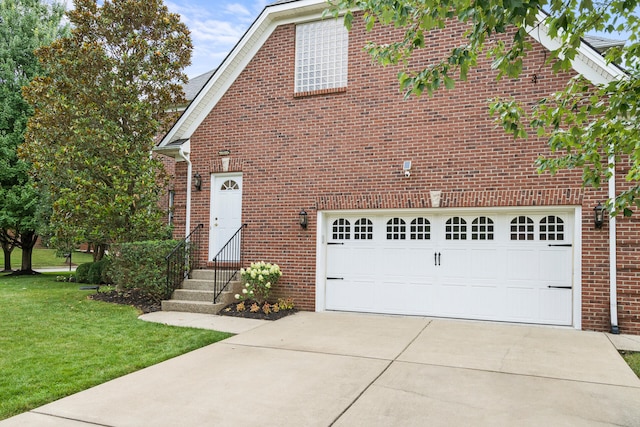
pixel 216 26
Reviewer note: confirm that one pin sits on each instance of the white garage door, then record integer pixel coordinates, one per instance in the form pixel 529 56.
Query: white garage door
pixel 514 267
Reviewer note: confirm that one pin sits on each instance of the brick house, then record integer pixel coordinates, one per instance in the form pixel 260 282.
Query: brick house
pixel 420 206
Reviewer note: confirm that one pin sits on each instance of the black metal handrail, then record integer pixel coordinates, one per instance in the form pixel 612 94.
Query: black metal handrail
pixel 183 259
pixel 227 263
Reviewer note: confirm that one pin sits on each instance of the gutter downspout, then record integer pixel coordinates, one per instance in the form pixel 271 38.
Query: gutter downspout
pixel 613 271
pixel 187 223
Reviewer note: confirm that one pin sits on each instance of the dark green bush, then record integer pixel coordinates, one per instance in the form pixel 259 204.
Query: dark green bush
pixel 96 274
pixel 82 272
pixel 93 273
pixel 141 265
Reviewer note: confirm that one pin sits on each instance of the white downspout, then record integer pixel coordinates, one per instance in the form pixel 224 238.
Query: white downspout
pixel 187 222
pixel 613 271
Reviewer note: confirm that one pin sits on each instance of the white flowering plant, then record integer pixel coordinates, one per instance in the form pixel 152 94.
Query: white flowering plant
pixel 258 280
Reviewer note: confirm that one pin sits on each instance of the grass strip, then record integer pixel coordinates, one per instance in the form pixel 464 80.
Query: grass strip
pixel 633 360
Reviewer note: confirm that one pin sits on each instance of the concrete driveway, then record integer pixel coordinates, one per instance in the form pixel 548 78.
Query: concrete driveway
pixel 341 369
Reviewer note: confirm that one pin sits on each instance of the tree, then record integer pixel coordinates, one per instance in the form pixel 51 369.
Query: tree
pixel 98 109
pixel 587 125
pixel 25 25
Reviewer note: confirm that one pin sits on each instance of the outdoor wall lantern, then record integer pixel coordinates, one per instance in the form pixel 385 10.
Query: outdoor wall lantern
pixel 304 221
pixel 598 215
pixel 197 181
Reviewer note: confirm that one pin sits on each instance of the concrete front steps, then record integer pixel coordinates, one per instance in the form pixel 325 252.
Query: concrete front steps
pixel 196 294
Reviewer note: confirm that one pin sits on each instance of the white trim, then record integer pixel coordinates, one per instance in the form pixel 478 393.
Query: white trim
pixel 322 227
pixel 183 153
pixel 588 62
pixel 613 260
pixel 577 268
pixel 321 262
pixel 237 177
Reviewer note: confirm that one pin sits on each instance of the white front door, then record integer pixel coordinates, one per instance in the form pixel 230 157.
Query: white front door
pixel 226 210
pixel 503 265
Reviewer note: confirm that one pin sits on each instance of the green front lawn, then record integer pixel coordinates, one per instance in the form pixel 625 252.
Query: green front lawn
pixel 55 342
pixel 47 258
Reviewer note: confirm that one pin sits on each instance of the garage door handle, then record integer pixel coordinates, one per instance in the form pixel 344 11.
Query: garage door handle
pixel 335 278
pixel 559 287
pixel 436 258
pixel 335 243
pixel 566 245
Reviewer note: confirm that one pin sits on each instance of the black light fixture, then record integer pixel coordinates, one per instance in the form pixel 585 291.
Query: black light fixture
pixel 598 215
pixel 197 181
pixel 304 221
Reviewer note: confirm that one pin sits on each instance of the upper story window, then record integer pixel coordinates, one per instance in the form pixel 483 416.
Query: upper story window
pixel 321 55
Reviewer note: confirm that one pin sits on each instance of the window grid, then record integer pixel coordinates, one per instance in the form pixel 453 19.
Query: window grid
pixel 551 228
pixel 482 228
pixel 363 229
pixel 420 229
pixel 396 229
pixel 321 55
pixel 341 229
pixel 229 185
pixel 522 228
pixel 456 229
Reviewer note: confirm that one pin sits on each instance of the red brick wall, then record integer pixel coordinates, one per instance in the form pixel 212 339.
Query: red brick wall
pixel 345 150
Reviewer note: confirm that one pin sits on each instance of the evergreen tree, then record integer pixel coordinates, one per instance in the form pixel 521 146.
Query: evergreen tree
pixel 25 25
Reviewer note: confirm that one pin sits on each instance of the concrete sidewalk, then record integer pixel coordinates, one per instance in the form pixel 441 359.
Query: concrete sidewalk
pixel 322 369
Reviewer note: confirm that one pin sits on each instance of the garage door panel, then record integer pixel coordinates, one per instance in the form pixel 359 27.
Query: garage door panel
pixel 556 265
pixel 522 263
pixel 552 302
pixel 452 299
pixel 351 294
pixel 487 263
pixel 410 298
pixel 487 301
pixel 522 303
pixel 454 262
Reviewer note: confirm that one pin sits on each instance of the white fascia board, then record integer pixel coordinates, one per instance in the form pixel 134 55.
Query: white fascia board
pixel 255 37
pixel 588 61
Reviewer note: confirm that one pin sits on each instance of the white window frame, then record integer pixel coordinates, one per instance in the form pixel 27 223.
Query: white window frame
pixel 322 49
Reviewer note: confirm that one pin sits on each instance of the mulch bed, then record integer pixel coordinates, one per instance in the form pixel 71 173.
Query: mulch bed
pixel 145 304
pixel 133 297
pixel 232 310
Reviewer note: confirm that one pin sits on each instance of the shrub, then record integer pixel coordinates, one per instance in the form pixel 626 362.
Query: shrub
pixel 141 265
pixel 96 274
pixel 258 280
pixel 93 272
pixel 82 272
